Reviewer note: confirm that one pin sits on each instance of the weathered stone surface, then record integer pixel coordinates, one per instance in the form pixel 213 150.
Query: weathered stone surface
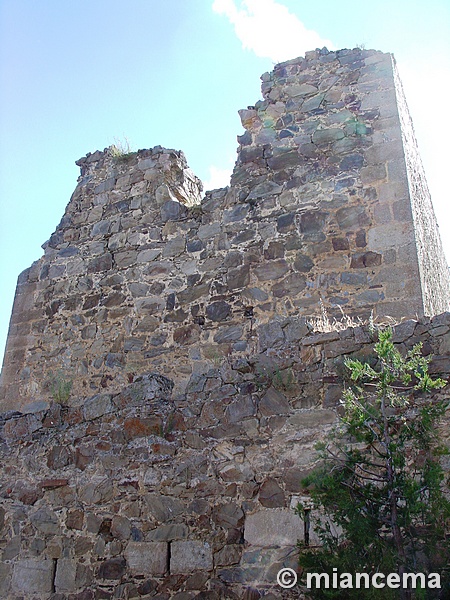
pixel 271 270
pixel 274 403
pixel 273 527
pixel 120 527
pixel 229 516
pixel 147 558
pixel 33 576
pixel 218 311
pixel 97 406
pixel 71 576
pixel 45 520
pixel 190 556
pixel 271 495
pixel 240 409
pixel 113 568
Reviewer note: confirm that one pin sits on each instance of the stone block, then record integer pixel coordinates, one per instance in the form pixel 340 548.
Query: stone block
pixel 273 527
pixel 71 576
pixel 190 556
pixel 167 533
pixel 114 568
pixel 45 521
pixel 229 516
pixel 33 576
pixel 240 409
pixel 274 403
pixel 163 508
pixel 97 406
pixel 271 495
pixel 270 335
pixel 312 418
pixel 147 558
pixel 5 579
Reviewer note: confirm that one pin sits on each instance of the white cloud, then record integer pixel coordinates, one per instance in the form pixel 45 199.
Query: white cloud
pixel 269 29
pixel 218 178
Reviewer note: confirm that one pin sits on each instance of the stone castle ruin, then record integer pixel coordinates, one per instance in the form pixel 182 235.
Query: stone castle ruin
pixel 162 390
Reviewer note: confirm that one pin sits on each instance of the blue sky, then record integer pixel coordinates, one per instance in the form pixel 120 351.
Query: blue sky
pixel 75 76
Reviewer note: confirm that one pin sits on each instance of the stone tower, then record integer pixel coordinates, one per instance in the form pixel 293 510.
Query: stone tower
pixel 327 203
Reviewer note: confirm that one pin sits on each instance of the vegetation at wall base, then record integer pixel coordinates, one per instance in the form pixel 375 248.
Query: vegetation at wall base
pixel 380 499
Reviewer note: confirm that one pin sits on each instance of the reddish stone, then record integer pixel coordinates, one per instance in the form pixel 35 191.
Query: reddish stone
pixel 103 446
pixel 271 495
pixel 59 457
pixel 73 416
pixel 83 456
pixel 135 427
pixel 75 519
pixel 360 260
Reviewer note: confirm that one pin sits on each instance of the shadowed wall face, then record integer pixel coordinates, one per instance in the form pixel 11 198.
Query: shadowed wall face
pixel 327 202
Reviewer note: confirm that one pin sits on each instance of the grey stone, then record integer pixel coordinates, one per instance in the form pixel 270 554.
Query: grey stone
pixel 100 228
pixel 45 520
pixel 97 406
pixel 235 214
pixel 206 232
pixel 273 527
pixel 271 495
pixel 240 409
pixel 266 188
pixel 12 548
pixel 352 217
pixel 33 576
pixel 148 255
pixel 105 186
pixel 284 158
pixel 189 556
pixel 270 335
pixel 313 418
pixel 228 555
pixel 229 516
pixel 167 533
pixel 163 508
pixel 271 270
pixel 170 210
pixel 290 286
pixel 71 576
pixel 229 334
pixel 303 263
pixel 238 278
pixel 218 311
pixel 300 89
pixel 326 136
pixel 101 263
pixel 96 492
pixel 174 247
pixel 114 568
pixel 147 558
pixel 5 579
pixel 120 527
pixel 274 403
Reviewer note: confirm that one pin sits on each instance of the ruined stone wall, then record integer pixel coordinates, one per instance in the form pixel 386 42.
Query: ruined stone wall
pixel 143 494
pixel 143 275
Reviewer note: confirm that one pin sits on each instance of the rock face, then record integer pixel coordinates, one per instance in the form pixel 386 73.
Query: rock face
pixel 327 202
pixel 162 392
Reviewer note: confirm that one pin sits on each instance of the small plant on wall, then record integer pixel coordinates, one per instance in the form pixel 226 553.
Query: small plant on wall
pixel 60 387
